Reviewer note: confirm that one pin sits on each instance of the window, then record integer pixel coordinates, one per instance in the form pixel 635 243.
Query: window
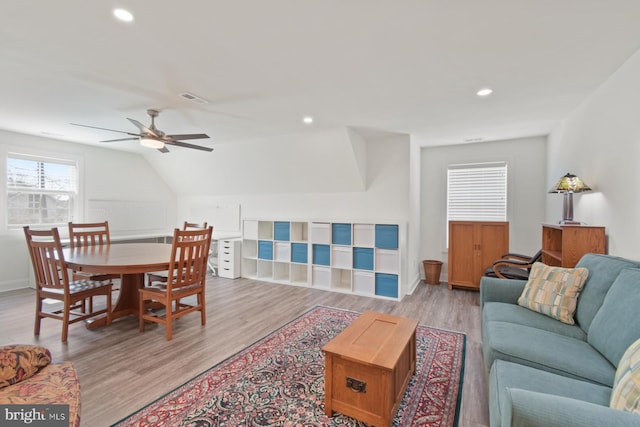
pixel 477 192
pixel 40 191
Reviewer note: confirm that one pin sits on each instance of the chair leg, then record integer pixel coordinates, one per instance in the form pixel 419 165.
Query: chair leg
pixel 65 323
pixel 203 314
pixel 169 319
pixel 109 308
pixel 140 313
pixel 36 328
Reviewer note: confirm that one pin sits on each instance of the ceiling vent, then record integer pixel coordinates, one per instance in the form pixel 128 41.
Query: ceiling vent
pixel 194 98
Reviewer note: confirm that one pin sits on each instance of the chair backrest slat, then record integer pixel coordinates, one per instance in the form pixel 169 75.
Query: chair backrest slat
pixel 89 234
pixel 190 250
pixel 194 226
pixel 47 259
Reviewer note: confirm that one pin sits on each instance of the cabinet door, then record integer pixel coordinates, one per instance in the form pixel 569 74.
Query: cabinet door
pixel 494 242
pixel 473 246
pixel 462 248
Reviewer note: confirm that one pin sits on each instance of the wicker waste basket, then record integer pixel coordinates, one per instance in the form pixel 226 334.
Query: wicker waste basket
pixel 432 271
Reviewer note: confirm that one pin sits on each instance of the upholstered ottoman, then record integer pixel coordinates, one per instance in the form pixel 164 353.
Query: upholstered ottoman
pixel 55 383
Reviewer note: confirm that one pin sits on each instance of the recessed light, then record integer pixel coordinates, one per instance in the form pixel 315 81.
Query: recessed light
pixel 123 15
pixel 308 120
pixel 484 92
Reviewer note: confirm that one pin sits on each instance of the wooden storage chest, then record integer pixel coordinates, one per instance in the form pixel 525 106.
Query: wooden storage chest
pixel 368 367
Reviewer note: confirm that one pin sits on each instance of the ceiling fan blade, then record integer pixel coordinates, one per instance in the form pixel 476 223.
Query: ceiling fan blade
pixel 121 139
pixel 184 144
pixel 143 128
pixel 163 150
pixel 188 136
pixel 110 130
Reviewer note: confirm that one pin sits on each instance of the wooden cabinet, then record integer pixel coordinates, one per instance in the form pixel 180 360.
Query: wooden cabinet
pixel 473 246
pixel 564 245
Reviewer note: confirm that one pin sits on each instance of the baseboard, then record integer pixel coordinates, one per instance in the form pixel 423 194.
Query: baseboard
pixel 414 284
pixel 10 285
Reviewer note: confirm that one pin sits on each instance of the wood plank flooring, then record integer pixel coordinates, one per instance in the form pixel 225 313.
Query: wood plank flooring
pixel 121 369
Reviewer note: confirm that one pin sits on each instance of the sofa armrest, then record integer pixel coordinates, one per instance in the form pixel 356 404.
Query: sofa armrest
pixel 500 290
pixel 532 409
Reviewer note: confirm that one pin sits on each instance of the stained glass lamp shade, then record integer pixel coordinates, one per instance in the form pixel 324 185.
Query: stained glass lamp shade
pixel 568 185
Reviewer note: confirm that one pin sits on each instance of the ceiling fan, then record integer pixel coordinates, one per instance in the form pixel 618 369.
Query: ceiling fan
pixel 153 137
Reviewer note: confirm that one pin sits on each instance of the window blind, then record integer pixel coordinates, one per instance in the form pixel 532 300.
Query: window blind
pixel 477 192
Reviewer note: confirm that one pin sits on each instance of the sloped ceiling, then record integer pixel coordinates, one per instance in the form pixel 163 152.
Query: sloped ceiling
pixel 326 161
pixel 407 66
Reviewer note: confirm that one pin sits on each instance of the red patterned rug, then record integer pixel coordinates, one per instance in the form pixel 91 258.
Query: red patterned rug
pixel 279 381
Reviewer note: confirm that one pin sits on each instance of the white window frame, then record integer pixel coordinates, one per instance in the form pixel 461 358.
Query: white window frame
pixel 45 156
pixel 477 192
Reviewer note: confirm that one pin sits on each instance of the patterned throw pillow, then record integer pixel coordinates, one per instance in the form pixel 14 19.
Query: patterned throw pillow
pixel 553 291
pixel 19 362
pixel 626 385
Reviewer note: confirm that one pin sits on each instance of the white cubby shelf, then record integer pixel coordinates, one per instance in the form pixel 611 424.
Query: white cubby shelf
pixel 361 258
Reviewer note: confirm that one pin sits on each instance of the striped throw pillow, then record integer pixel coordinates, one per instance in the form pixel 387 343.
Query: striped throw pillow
pixel 553 291
pixel 626 385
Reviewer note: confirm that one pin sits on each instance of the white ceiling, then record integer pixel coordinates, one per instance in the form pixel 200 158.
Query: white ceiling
pixel 400 66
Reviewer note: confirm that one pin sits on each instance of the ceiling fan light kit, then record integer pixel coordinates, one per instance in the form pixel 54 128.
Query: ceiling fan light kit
pixel 153 137
pixel 151 142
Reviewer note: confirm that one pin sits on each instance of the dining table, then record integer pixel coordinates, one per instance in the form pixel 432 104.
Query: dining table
pixel 130 260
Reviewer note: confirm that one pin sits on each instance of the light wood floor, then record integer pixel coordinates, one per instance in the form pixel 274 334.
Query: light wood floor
pixel 121 370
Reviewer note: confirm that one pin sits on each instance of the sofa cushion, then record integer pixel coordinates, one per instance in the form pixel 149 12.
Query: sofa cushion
pixel 505 312
pixel 603 270
pixel 545 350
pixel 626 386
pixel 553 291
pixel 505 375
pixel 19 362
pixel 617 324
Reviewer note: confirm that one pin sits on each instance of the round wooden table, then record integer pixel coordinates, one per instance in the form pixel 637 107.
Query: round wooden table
pixel 131 260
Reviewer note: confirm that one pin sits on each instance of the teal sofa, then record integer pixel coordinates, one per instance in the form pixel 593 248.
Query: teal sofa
pixel 543 372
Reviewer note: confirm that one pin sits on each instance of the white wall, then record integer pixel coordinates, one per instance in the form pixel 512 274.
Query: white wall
pixel 283 195
pixel 600 143
pixel 526 192
pixel 105 175
pixel 383 195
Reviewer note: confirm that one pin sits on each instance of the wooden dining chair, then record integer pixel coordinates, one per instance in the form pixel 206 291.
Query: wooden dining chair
pixel 52 282
pixel 190 250
pixel 161 276
pixel 90 234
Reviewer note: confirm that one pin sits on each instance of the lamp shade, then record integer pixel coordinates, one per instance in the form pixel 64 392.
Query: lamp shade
pixel 569 184
pixel 151 142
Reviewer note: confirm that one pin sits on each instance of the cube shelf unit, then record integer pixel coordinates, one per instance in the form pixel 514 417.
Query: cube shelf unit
pixel 276 251
pixel 350 257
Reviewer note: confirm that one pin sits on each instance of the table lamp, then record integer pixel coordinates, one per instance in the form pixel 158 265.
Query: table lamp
pixel 568 185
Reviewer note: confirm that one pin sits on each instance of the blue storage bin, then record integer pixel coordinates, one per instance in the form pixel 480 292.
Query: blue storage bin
pixel 281 231
pixel 363 258
pixel 386 236
pixel 299 253
pixel 321 254
pixel 387 285
pixel 265 249
pixel 341 234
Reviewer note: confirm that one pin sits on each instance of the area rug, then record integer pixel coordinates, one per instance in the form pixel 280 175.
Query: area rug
pixel 279 381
